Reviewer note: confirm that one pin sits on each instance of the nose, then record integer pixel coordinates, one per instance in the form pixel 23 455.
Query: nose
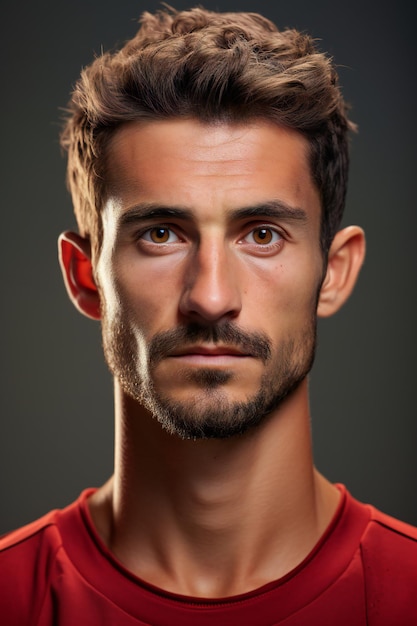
pixel 211 290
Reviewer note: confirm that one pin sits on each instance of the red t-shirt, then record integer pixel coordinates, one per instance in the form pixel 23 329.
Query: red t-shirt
pixel 56 571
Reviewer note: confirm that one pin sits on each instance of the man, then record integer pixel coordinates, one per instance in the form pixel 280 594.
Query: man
pixel 207 162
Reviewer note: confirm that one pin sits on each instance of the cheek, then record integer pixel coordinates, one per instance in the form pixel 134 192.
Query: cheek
pixel 148 292
pixel 286 298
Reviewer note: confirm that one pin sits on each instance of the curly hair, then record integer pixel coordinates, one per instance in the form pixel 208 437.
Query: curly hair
pixel 230 67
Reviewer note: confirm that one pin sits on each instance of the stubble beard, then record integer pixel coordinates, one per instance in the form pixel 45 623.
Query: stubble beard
pixel 209 413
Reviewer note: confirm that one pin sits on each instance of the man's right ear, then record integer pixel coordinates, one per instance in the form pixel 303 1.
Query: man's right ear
pixel 75 260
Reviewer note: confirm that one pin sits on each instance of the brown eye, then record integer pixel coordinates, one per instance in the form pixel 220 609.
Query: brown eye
pixel 262 235
pixel 159 235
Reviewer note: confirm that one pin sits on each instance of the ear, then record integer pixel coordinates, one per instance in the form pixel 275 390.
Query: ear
pixel 75 260
pixel 345 259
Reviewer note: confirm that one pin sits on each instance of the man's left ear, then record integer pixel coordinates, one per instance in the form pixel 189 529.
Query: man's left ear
pixel 345 259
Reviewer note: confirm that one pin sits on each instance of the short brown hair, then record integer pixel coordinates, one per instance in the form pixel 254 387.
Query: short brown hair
pixel 201 64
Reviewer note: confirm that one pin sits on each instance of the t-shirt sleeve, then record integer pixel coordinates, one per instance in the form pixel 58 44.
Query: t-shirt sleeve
pixel 27 558
pixel 389 553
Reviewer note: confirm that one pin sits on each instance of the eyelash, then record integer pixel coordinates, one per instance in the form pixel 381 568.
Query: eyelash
pixel 276 236
pixel 161 227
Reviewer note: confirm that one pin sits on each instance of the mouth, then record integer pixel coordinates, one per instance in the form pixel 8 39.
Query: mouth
pixel 209 355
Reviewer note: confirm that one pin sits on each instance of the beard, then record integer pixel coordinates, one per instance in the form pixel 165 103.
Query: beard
pixel 207 413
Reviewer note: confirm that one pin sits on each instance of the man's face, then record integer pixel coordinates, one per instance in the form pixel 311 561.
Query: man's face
pixel 209 271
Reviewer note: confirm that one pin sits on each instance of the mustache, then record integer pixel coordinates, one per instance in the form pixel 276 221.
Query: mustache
pixel 256 344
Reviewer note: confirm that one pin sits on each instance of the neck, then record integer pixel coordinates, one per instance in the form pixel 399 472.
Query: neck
pixel 213 518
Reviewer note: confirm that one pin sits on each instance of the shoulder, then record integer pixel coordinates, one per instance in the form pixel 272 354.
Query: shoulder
pixel 25 559
pixel 26 535
pixel 389 558
pixel 396 539
pixel 27 545
pixel 30 558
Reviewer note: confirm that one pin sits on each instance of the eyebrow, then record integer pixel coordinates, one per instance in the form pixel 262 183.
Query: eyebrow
pixel 143 212
pixel 274 208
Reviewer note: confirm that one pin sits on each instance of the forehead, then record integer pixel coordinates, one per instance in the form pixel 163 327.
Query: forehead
pixel 208 166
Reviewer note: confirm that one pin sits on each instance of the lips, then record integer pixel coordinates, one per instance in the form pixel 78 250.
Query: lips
pixel 222 341
pixel 209 351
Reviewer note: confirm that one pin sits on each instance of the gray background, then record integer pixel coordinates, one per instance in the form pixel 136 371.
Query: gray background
pixel 56 395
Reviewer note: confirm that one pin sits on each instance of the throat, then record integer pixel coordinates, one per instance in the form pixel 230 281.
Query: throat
pixel 216 549
pixel 213 518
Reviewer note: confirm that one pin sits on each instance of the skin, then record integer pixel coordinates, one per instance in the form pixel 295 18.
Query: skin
pixel 208 264
pixel 182 528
